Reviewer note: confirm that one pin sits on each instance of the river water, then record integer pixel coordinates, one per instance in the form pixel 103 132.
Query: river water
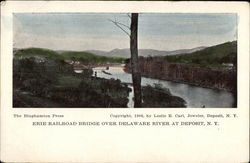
pixel 196 97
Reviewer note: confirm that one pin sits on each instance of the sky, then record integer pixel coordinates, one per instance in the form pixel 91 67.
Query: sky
pixel 77 31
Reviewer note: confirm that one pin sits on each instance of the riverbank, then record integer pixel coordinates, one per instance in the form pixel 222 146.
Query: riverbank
pixel 158 97
pixel 188 83
pixel 197 76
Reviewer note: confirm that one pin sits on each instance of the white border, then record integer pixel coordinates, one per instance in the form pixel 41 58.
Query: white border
pixel 20 141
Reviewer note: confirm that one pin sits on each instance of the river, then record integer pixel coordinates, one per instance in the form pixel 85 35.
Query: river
pixel 196 97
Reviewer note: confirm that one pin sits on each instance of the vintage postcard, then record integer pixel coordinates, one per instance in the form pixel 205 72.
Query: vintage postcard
pixel 124 81
pixel 85 60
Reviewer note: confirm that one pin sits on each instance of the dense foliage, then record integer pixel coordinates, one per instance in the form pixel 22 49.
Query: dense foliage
pixel 212 57
pixel 38 52
pixel 160 97
pixel 50 83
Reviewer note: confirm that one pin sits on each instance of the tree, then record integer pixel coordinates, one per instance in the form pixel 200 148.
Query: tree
pixel 136 74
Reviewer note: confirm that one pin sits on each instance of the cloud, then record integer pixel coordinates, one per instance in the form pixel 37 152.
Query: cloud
pixel 95 32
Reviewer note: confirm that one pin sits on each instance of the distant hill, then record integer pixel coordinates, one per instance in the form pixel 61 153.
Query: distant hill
pixel 125 53
pixel 214 56
pixel 120 53
pixel 90 58
pixel 203 56
pixel 38 52
pixel 66 55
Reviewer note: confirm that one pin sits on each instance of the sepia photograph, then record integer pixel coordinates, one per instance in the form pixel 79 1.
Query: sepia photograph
pixel 125 60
